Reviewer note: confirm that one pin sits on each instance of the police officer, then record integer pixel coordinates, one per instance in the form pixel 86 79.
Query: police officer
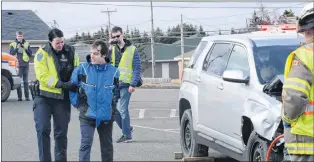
pixel 298 93
pixel 53 64
pixel 96 106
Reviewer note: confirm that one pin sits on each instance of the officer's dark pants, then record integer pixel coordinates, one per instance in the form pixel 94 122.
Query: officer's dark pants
pixel 105 137
pixel 60 110
pixel 23 73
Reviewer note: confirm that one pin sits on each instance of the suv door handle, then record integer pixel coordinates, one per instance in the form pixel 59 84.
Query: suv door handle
pixel 220 86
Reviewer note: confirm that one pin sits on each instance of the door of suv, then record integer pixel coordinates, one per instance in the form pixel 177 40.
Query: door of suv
pixel 235 95
pixel 209 88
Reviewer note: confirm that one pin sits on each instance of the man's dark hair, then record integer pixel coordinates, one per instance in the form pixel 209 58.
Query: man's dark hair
pixel 54 33
pixel 19 32
pixel 103 47
pixel 116 29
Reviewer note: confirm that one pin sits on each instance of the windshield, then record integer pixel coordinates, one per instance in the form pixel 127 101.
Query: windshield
pixel 270 61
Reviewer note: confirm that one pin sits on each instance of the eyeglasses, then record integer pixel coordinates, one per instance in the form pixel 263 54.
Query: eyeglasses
pixel 117 36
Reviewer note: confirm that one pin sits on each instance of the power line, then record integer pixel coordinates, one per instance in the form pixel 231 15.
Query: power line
pixel 159 6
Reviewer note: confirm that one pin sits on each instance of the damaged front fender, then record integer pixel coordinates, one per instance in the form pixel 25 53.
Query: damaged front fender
pixel 264 113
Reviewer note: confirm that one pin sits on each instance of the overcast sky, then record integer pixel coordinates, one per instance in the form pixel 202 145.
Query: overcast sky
pixel 73 18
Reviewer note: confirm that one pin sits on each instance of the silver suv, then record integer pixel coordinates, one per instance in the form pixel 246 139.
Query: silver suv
pixel 230 95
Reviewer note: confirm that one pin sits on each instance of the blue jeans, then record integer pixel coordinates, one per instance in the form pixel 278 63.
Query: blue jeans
pixel 122 116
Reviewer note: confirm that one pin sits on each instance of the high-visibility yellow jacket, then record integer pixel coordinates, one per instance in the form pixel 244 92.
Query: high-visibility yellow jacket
pixel 298 101
pixel 46 69
pixel 126 63
pixel 21 50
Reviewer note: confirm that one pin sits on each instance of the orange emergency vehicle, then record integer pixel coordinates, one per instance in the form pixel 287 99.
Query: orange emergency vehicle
pixel 9 75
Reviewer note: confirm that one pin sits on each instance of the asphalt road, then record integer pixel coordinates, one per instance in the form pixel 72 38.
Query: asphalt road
pixel 154 115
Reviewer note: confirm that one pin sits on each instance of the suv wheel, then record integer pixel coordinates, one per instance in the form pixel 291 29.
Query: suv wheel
pixel 188 146
pixel 256 150
pixel 5 88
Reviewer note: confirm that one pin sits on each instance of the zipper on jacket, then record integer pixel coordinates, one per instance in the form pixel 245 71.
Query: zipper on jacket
pixel 96 93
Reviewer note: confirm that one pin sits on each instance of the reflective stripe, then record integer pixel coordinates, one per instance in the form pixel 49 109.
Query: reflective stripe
pixel 309 108
pixel 295 87
pixel 298 82
pixel 51 95
pixel 300 148
pixel 50 81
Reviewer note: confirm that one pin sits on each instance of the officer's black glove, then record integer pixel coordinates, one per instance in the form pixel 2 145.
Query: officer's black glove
pixel 66 85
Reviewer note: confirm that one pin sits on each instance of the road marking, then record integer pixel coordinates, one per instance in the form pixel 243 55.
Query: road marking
pixel 172 129
pixel 157 129
pixel 151 109
pixel 141 113
pixel 173 113
pixel 158 117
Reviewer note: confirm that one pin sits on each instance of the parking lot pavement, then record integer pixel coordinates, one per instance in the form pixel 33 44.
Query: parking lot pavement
pixel 153 115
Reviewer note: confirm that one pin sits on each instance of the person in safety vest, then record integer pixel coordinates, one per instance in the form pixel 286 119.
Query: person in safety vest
pixel 125 57
pixel 53 64
pixel 298 93
pixel 98 83
pixel 22 51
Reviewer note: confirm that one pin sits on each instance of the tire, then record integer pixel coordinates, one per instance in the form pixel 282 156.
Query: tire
pixel 188 145
pixel 257 148
pixel 5 88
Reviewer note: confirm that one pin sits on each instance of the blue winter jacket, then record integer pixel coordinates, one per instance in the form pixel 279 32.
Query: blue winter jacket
pixel 97 86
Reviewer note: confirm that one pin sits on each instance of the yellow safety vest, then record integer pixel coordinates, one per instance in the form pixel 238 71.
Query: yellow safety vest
pixel 126 64
pixel 21 50
pixel 304 125
pixel 46 74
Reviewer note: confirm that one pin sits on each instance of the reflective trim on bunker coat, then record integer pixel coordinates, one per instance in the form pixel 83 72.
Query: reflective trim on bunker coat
pixel 46 69
pixel 21 50
pixel 299 139
pixel 126 63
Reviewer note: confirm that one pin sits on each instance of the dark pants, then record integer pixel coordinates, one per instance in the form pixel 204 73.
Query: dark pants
pixel 105 137
pixel 23 73
pixel 44 108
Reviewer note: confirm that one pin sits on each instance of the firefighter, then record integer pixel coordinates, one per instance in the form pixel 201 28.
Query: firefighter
pixel 96 106
pixel 298 93
pixel 53 66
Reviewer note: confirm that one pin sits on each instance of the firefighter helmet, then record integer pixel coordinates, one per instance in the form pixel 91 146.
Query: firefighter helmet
pixel 306 18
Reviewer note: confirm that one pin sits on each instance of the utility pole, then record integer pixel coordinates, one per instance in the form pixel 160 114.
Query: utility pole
pixel 152 39
pixel 182 45
pixel 108 12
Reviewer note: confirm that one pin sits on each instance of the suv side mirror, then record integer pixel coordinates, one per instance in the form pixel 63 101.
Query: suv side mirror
pixel 236 76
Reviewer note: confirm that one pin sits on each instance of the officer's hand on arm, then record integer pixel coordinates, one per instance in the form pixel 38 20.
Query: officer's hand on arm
pixel 66 85
pixel 296 92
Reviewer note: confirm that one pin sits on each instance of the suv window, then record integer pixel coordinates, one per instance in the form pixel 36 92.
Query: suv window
pixel 239 60
pixel 216 60
pixel 199 49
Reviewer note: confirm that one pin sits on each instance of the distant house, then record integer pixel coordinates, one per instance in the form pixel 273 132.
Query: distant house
pixel 34 28
pixel 187 56
pixel 165 64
